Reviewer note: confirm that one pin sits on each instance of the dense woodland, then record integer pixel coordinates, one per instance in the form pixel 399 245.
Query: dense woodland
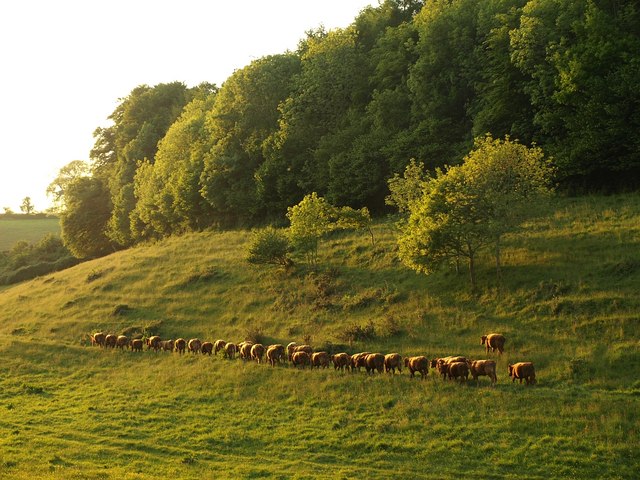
pixel 351 107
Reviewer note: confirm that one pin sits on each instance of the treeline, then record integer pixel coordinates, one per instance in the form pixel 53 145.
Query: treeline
pixel 26 260
pixel 351 107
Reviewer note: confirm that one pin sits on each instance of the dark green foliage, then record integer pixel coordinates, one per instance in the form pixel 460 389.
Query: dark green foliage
pixel 270 246
pixel 352 107
pixel 29 260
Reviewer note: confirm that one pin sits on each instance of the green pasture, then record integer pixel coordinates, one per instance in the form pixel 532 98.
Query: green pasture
pixel 568 302
pixel 31 230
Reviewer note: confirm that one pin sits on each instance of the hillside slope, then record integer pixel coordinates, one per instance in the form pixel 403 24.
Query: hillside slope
pixel 568 302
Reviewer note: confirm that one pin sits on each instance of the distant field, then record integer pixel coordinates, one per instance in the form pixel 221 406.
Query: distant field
pixel 13 230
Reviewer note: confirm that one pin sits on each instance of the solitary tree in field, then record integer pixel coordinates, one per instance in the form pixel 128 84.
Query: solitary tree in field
pixel 469 207
pixel 315 217
pixel 26 206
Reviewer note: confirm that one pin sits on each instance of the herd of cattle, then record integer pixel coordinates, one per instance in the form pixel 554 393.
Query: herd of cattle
pixel 452 367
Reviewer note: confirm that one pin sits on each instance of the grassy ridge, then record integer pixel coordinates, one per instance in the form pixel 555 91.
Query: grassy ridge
pixel 30 230
pixel 568 302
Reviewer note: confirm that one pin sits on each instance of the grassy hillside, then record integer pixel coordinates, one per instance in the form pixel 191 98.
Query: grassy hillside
pixel 569 302
pixel 13 230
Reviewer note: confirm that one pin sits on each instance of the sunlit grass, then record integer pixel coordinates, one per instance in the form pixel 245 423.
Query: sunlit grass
pixel 568 302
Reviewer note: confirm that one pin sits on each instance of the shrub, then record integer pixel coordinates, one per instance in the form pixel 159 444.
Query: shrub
pixel 270 246
pixel 358 333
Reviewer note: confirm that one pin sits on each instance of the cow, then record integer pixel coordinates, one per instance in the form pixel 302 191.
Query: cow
pixel 136 345
pixel 167 345
pixel 483 367
pixel 257 352
pixel 341 361
pixel 300 358
pixel 230 350
pixel 392 361
pixel 194 345
pixel 206 348
pixel 97 339
pixel 275 354
pixel 153 342
pixel 110 341
pixel 244 349
pixel 373 362
pixel 358 360
pixel 320 359
pixel 218 345
pixel 493 341
pixel 417 364
pixel 180 345
pixel 290 348
pixel 458 370
pixel 122 341
pixel 523 370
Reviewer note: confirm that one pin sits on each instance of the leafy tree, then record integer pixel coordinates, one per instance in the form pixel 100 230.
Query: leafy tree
pixel 406 190
pixel 84 222
pixel 244 115
pixel 167 192
pixel 27 207
pixel 67 174
pixel 469 207
pixel 314 217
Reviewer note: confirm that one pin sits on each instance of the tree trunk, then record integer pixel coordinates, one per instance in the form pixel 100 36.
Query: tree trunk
pixel 472 272
pixel 498 265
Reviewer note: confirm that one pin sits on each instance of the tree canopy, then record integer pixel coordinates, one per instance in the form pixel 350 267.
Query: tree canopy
pixel 349 109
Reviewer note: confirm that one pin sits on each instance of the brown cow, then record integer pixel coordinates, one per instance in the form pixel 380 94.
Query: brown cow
pixel 194 345
pixel 97 339
pixel 167 345
pixel 458 370
pixel 300 358
pixel 320 359
pixel 373 362
pixel 244 349
pixel 523 370
pixel 275 354
pixel 493 341
pixel 122 341
pixel 218 345
pixel 341 361
pixel 257 352
pixel 303 348
pixel 153 342
pixel 391 362
pixel 450 359
pixel 230 350
pixel 358 360
pixel 417 364
pixel 136 345
pixel 110 341
pixel 180 345
pixel 290 348
pixel 483 367
pixel 206 348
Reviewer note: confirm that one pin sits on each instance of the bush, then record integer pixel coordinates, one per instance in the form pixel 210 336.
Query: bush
pixel 358 333
pixel 270 246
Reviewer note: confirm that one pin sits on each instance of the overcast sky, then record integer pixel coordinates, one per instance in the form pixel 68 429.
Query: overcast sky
pixel 65 63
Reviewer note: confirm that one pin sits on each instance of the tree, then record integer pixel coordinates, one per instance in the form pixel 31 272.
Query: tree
pixel 314 217
pixel 27 207
pixel 67 174
pixel 466 208
pixel 84 222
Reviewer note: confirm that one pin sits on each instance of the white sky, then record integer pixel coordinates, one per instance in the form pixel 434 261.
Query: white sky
pixel 65 63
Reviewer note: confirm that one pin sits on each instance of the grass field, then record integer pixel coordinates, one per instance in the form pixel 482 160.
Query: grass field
pixel 31 230
pixel 569 302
